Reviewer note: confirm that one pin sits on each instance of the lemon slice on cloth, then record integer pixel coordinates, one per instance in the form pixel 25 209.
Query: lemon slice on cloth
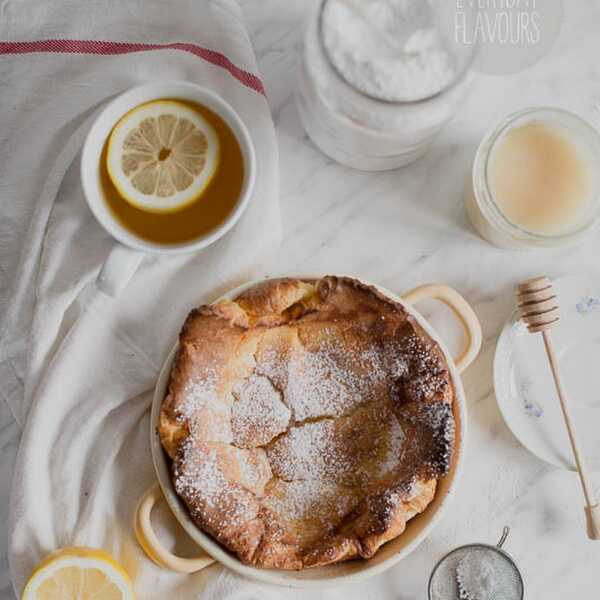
pixel 162 155
pixel 78 574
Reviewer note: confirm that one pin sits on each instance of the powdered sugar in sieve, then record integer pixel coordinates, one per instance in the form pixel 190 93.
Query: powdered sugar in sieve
pixel 477 572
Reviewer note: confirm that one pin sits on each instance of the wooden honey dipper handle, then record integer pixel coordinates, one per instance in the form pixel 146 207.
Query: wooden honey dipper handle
pixel 540 312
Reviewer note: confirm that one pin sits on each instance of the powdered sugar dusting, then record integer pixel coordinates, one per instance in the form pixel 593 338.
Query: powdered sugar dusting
pixel 436 421
pixel 190 473
pixel 426 374
pixel 200 479
pixel 332 380
pixel 310 451
pixel 353 450
pixel 258 413
pixel 254 469
pixel 313 500
pixel 208 417
pixel 198 394
pixel 395 438
pixel 350 454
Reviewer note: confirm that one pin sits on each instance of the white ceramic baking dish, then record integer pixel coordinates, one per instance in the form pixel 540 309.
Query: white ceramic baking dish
pixel 417 529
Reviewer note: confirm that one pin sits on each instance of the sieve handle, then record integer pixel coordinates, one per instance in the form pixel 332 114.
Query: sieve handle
pixel 505 532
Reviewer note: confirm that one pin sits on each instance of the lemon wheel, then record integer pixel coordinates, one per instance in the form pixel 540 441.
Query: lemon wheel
pixel 79 574
pixel 162 155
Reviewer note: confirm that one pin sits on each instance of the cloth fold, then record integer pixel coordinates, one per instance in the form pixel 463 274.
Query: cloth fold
pixel 78 367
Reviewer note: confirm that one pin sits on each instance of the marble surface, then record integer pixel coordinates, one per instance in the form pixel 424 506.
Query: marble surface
pixel 407 227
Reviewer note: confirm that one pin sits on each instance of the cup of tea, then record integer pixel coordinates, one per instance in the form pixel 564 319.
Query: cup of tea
pixel 166 168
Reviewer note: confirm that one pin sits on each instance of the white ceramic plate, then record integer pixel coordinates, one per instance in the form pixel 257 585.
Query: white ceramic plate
pixel 523 382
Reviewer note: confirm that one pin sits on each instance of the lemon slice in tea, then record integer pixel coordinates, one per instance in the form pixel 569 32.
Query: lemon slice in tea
pixel 77 573
pixel 162 155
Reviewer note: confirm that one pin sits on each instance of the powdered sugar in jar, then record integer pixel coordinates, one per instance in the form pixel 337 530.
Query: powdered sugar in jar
pixel 379 79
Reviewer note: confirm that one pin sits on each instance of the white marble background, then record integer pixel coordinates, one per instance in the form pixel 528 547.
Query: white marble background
pixel 407 227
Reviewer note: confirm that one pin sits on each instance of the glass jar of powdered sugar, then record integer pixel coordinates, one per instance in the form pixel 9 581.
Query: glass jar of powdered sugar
pixel 379 79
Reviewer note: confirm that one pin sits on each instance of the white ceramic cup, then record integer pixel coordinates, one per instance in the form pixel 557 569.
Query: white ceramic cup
pixel 129 251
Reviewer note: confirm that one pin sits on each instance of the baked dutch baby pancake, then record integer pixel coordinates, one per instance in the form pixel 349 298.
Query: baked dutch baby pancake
pixel 306 421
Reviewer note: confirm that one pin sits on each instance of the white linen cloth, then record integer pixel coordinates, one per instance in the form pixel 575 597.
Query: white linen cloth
pixel 78 367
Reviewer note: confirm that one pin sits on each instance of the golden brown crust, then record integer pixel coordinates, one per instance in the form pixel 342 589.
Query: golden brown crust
pixel 273 297
pixel 307 421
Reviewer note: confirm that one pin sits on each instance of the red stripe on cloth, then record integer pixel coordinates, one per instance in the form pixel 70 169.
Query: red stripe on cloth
pixel 104 48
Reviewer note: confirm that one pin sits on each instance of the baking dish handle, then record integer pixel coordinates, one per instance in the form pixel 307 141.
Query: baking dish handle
pixel 150 543
pixel 462 309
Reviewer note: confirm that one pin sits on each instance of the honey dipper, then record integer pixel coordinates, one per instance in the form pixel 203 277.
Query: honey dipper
pixel 539 310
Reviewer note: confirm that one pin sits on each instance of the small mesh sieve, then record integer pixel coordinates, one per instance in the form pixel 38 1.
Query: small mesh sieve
pixel 477 572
